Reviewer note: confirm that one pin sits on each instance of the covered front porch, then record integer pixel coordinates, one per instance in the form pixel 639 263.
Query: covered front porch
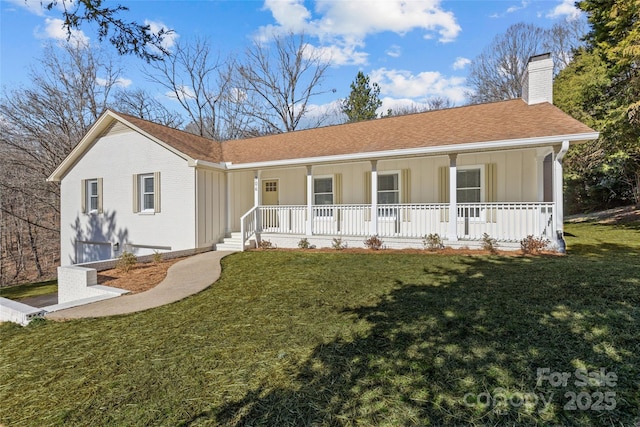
pixel 505 222
pixel 507 195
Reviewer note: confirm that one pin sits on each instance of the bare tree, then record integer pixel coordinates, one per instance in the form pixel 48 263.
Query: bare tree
pixel 196 79
pixel 563 40
pixel 440 103
pixel 437 103
pixel 277 80
pixel 40 125
pixel 496 74
pixel 141 103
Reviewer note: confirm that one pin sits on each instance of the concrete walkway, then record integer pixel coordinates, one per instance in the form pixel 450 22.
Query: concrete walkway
pixel 184 278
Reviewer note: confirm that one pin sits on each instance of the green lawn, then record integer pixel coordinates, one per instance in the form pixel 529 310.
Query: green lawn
pixel 301 338
pixel 28 290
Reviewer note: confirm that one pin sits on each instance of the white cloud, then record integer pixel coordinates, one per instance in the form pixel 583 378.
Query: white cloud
pixel 350 18
pixel 400 104
pixel 394 51
pixel 120 81
pixel 347 23
pixel 567 9
pixel 340 55
pixel 511 9
pixel 521 6
pixel 34 6
pixel 169 39
pixel 460 63
pixel 323 114
pixel 290 14
pixel 422 86
pixel 184 92
pixel 54 29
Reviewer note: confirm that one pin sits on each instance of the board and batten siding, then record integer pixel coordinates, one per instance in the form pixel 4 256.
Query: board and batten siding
pixel 240 196
pixel 115 157
pixel 211 207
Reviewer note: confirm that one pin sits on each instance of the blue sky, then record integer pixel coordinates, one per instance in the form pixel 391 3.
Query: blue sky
pixel 415 50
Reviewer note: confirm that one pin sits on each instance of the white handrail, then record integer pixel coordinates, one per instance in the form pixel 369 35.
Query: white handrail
pixel 248 225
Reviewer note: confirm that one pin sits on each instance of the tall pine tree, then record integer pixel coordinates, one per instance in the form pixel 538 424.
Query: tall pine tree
pixel 363 101
pixel 601 87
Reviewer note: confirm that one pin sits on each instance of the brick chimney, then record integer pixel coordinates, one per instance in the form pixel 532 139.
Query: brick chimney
pixel 537 85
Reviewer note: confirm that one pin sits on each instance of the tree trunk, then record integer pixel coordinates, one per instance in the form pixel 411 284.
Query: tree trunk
pixel 34 250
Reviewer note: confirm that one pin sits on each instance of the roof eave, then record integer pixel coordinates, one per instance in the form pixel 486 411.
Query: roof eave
pixel 94 132
pixel 421 151
pixel 207 164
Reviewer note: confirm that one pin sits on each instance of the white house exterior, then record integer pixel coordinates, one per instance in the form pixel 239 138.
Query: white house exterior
pixel 491 168
pixel 105 207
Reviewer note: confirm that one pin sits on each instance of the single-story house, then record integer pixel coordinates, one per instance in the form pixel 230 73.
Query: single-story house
pixel 492 168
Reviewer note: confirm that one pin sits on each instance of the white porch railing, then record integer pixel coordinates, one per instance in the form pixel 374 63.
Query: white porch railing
pixel 502 221
pixel 283 219
pixel 505 221
pixel 342 220
pixel 413 220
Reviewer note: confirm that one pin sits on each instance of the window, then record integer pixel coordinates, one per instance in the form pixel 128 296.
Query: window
pixel 323 195
pixel 323 191
pixel 146 193
pixel 469 190
pixel 388 189
pixel 92 195
pixel 388 194
pixel 271 186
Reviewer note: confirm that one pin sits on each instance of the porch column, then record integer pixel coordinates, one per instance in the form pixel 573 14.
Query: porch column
pixel 227 197
pixel 559 152
pixel 452 231
pixel 256 199
pixel 540 155
pixel 256 188
pixel 309 230
pixel 374 197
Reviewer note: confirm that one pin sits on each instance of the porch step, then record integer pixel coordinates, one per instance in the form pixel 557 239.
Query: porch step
pixel 232 243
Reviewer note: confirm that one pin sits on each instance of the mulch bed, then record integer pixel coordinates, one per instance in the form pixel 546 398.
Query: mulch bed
pixel 140 278
pixel 445 251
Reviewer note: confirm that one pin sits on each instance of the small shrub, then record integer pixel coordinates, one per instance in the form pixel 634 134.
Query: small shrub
pixel 304 243
pixel 432 242
pixel 337 244
pixel 533 245
pixel 373 243
pixel 157 257
pixel 37 321
pixel 266 244
pixel 126 261
pixel 489 243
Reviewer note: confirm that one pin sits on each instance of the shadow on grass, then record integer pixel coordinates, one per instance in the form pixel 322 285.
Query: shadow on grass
pixel 603 249
pixel 462 347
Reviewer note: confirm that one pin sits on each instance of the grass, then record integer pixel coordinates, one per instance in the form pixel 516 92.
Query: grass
pixel 28 290
pixel 300 338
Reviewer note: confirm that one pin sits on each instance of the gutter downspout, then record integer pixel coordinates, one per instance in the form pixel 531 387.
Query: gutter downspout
pixel 558 194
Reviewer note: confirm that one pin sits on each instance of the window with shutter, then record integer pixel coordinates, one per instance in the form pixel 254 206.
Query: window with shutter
pixel 92 195
pixel 146 193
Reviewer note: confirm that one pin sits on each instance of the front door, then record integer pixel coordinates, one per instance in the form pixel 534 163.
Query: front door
pixel 270 198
